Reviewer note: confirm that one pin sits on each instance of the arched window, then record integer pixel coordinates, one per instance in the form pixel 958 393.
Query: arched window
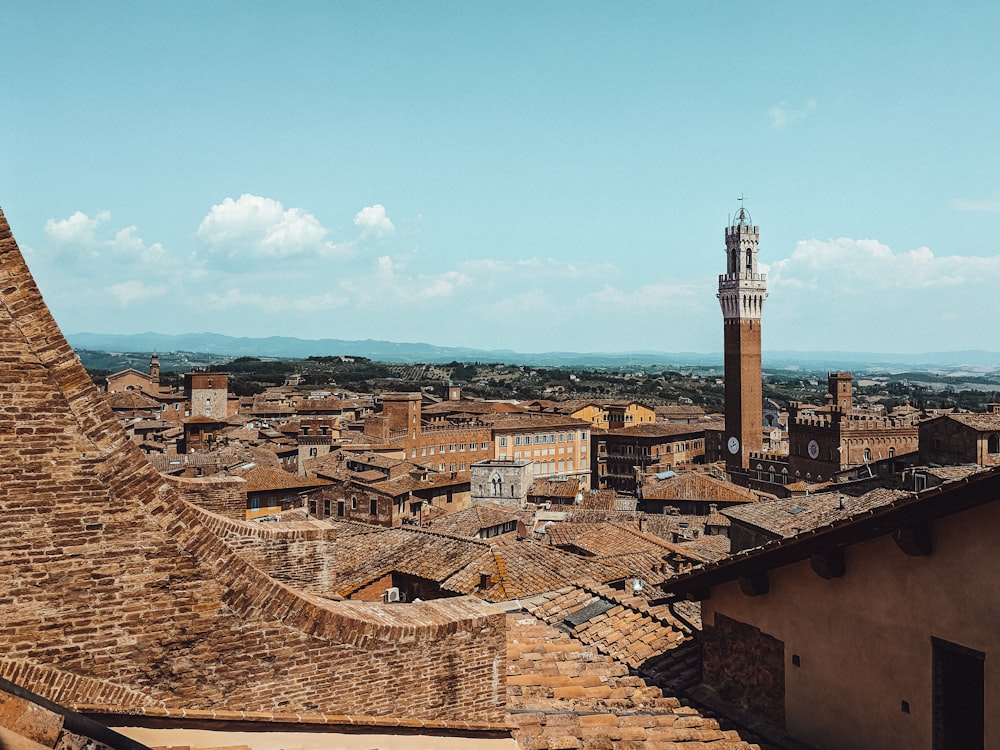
pixel 868 455
pixel 749 261
pixel 993 443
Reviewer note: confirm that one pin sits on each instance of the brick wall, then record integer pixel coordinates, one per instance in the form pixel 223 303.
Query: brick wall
pixel 223 495
pixel 109 576
pixel 745 666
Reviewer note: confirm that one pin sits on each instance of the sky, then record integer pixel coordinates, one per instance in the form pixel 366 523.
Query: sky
pixel 551 176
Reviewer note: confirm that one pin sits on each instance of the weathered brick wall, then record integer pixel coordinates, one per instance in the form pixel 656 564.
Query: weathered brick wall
pixel 223 495
pixel 110 576
pixel 745 666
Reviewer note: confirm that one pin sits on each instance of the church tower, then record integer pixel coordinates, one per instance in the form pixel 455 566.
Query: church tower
pixel 742 291
pixel 154 373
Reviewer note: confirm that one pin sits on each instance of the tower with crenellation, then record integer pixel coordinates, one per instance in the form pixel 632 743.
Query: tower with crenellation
pixel 742 291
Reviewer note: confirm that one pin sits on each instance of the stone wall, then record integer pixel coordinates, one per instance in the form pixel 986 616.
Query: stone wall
pixel 746 667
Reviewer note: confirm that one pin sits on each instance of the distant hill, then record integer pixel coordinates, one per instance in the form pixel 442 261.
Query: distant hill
pixel 288 347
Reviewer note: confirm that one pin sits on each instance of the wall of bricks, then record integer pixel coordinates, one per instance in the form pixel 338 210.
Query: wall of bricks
pixel 745 666
pixel 223 495
pixel 110 576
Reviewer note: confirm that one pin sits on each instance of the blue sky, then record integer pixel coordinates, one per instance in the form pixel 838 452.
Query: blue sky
pixel 534 176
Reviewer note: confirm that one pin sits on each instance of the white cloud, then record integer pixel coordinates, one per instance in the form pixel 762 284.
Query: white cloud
pixel 254 226
pixel 374 223
pixel 987 205
pixel 131 291
pixel 647 296
pixel 861 295
pixel 853 267
pixel 784 114
pixel 78 229
pixel 128 246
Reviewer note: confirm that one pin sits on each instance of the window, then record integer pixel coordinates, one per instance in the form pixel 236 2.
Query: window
pixel 502 441
pixel 461 447
pixel 373 507
pixel 993 443
pixel 313 452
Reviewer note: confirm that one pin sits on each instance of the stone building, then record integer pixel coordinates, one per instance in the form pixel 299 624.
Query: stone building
pixel 501 482
pixel 207 394
pixel 962 438
pixel 742 291
pixel 839 441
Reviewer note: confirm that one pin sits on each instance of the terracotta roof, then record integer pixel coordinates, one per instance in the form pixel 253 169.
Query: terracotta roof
pixel 133 399
pixel 790 516
pixel 694 485
pixel 658 430
pixel 981 422
pixel 542 487
pixel 536 421
pixel 520 568
pixel 565 693
pixel 263 478
pixel 470 521
pixel 709 547
pixel 616 623
pixel 902 510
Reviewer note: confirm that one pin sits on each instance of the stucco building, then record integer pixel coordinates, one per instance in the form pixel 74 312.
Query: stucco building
pixel 870 623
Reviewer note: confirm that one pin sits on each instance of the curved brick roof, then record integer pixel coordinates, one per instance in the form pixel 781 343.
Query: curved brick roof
pixel 115 591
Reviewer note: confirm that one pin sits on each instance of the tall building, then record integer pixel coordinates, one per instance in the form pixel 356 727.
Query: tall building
pixel 742 291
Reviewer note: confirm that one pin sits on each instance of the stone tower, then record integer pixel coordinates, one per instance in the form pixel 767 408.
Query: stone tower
pixel 839 386
pixel 742 291
pixel 154 372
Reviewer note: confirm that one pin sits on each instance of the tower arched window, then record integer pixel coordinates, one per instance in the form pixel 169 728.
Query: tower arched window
pixel 749 261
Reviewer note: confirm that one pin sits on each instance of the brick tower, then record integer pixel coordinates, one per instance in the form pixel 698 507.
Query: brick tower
pixel 742 291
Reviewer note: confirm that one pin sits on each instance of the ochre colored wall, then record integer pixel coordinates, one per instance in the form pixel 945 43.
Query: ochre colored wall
pixel 864 640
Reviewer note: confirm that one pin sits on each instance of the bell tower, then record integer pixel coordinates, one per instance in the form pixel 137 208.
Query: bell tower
pixel 742 291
